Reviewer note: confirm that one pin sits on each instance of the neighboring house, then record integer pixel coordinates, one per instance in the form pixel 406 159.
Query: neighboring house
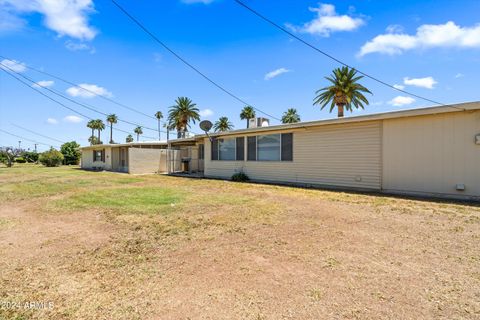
pixel 430 151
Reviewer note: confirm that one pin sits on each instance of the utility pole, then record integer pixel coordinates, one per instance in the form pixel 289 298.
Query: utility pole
pixel 19 144
pixel 35 147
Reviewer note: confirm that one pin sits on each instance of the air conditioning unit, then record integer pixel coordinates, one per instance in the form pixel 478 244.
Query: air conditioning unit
pixel 252 123
pixel 263 122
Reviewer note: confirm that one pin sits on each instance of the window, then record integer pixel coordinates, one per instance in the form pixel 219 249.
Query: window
pixel 240 148
pixel 99 155
pixel 287 146
pixel 251 148
pixel 214 155
pixel 268 147
pixel 201 151
pixel 226 149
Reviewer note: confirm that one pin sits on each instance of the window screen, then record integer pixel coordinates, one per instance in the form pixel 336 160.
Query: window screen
pixel 226 149
pixel 251 148
pixel 287 146
pixel 201 151
pixel 268 147
pixel 214 149
pixel 240 148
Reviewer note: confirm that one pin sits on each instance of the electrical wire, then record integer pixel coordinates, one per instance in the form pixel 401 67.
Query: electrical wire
pixel 261 16
pixel 30 140
pixel 63 105
pixel 36 133
pixel 183 60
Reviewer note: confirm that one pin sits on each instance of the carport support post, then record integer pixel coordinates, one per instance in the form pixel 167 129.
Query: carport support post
pixel 167 157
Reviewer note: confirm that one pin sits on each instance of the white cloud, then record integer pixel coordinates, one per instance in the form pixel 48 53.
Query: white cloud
pixel 78 46
pixel 52 121
pixel 13 65
pixel 427 36
pixel 427 82
pixel 86 90
pixel 43 84
pixel 205 113
pixel 459 75
pixel 72 119
pixel 197 1
pixel 399 86
pixel 401 101
pixel 65 17
pixel 9 21
pixel 275 73
pixel 328 21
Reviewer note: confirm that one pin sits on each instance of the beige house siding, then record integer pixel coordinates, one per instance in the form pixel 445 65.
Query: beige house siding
pixel 342 155
pixel 143 160
pixel 431 154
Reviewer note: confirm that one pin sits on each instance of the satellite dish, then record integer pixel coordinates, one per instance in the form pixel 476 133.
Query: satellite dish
pixel 206 125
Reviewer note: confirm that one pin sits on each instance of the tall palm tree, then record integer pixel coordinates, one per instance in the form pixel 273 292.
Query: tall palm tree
pixel 99 126
pixel 159 116
pixel 112 118
pixel 91 125
pixel 344 92
pixel 291 116
pixel 181 114
pixel 129 138
pixel 247 113
pixel 138 131
pixel 222 125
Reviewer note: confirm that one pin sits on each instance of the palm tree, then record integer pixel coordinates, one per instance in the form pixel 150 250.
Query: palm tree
pixel 222 125
pixel 247 113
pixel 99 125
pixel 291 116
pixel 129 139
pixel 93 140
pixel 91 125
pixel 138 131
pixel 181 114
pixel 159 116
pixel 112 118
pixel 344 92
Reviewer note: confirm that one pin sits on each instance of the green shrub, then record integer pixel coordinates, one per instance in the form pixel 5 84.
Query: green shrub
pixel 30 156
pixel 71 152
pixel 51 158
pixel 20 160
pixel 240 177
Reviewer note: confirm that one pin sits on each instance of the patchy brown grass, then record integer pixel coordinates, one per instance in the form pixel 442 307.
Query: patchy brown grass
pixel 113 246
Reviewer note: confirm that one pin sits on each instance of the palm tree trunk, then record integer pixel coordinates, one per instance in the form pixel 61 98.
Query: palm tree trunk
pixel 159 138
pixel 93 134
pixel 111 129
pixel 98 135
pixel 248 123
pixel 340 110
pixel 138 136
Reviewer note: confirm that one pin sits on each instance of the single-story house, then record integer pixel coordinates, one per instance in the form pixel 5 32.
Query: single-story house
pixel 429 152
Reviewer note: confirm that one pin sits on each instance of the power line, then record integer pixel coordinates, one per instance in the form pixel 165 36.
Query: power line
pixel 86 89
pixel 86 106
pixel 332 57
pixel 138 23
pixel 38 134
pixel 20 137
pixel 63 105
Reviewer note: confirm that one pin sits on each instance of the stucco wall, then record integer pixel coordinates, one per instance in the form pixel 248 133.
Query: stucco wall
pixel 88 163
pixel 342 155
pixel 431 154
pixel 142 160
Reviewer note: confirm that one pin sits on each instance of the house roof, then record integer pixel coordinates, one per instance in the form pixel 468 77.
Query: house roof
pixel 467 106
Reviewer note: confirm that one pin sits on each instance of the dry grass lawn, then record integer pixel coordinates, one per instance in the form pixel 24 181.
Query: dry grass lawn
pixel 114 246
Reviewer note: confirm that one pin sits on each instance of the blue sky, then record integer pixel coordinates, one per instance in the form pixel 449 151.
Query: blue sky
pixel 430 48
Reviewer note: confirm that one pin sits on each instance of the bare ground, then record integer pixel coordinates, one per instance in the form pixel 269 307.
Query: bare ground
pixel 280 253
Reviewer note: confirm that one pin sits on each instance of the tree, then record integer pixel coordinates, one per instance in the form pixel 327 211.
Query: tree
pixel 181 114
pixel 99 126
pixel 291 116
pixel 112 118
pixel 51 158
pixel 159 116
pixel 93 140
pixel 345 91
pixel 222 125
pixel 129 138
pixel 247 113
pixel 8 155
pixel 71 152
pixel 138 131
pixel 92 125
pixel 30 156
